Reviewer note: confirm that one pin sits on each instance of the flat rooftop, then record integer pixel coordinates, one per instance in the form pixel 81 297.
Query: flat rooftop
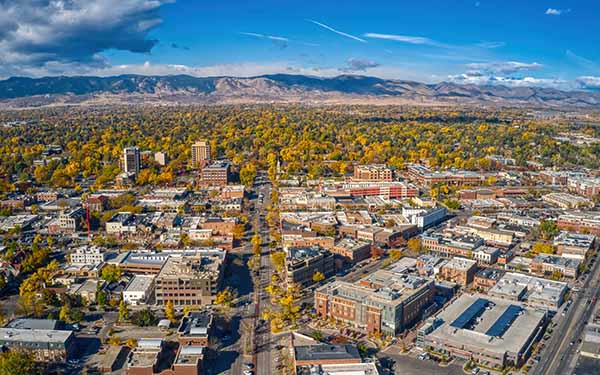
pixel 498 326
pixel 34 335
pixel 326 352
pixel 139 283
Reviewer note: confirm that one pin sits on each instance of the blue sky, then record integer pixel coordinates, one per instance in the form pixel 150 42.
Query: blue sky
pixel 545 43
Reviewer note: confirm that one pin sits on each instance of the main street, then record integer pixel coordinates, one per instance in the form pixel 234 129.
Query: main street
pixel 263 332
pixel 560 350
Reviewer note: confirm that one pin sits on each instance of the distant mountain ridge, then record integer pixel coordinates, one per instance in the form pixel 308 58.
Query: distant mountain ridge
pixel 281 88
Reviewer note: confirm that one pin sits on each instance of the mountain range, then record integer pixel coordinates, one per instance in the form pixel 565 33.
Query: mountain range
pixel 278 88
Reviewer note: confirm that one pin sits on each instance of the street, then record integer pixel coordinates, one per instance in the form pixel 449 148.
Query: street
pixel 559 356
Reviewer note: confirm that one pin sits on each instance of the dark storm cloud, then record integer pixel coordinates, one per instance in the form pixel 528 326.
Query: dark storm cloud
pixel 39 33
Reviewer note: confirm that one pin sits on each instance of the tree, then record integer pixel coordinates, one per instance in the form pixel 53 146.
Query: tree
pixel 2 282
pixel 278 260
pixel 143 318
pixel 415 244
pixel 452 204
pixel 548 229
pixel 101 298
pixel 318 277
pixel 256 241
pixel 123 312
pixel 16 362
pixel 65 314
pixel 50 298
pixel 170 311
pixel 395 254
pixel 225 298
pixel 238 231
pixel 111 273
pixel 542 248
pixel 248 174
pixel 131 343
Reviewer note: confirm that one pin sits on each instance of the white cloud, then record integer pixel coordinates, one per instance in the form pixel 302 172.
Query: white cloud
pixel 338 31
pixel 589 82
pixel 504 67
pixel 556 12
pixel 480 79
pixel 280 41
pixel 405 39
pixel 490 45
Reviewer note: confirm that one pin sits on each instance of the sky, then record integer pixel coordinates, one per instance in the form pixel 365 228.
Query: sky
pixel 510 42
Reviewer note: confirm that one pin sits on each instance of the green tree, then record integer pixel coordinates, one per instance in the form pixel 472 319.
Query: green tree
pixel 123 312
pixel 415 244
pixel 548 229
pixel 278 260
pixel 111 273
pixel 16 362
pixel 143 318
pixel 65 313
pixel 101 298
pixel 248 174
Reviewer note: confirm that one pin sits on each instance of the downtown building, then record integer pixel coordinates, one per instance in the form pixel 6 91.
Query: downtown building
pixel 490 331
pixel 216 174
pixel 200 154
pixel 383 302
pixel 190 280
pixel 426 177
pixel 373 172
pixel 131 160
pixel 580 221
pixel 301 263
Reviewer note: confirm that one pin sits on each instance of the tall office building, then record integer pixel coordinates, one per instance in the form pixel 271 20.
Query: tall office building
pixel 200 153
pixel 131 160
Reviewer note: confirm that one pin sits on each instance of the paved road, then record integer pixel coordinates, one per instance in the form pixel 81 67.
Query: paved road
pixel 263 333
pixel 559 353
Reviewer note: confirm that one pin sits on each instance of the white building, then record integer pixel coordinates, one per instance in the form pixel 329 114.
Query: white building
pixel 139 289
pixel 88 255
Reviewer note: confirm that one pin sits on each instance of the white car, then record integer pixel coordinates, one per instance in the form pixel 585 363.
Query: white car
pixel 248 372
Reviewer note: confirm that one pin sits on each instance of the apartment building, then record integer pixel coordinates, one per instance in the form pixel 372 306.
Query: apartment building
pixel 352 250
pixel 574 245
pixel 131 160
pixel 201 153
pixel 67 222
pixel 87 255
pixel 383 302
pixel 216 174
pixel 44 339
pixel 547 265
pixel 302 263
pixel 426 177
pixel 373 172
pixel 191 280
pixel 580 221
pixel 458 270
pixel 448 245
